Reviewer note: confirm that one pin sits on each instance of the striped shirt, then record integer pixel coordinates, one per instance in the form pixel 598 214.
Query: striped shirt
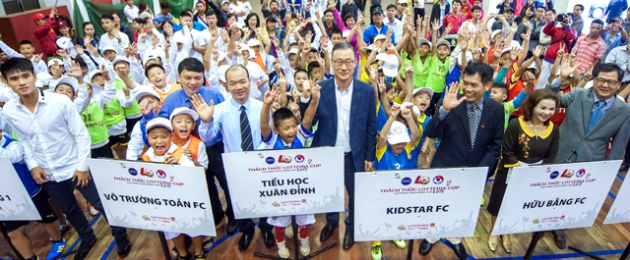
pixel 588 52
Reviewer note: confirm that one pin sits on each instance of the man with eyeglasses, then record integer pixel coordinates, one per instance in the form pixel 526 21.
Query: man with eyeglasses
pixel 593 117
pixel 346 118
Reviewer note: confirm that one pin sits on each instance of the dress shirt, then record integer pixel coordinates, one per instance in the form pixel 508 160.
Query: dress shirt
pixel 131 12
pixel 397 26
pixel 180 99
pixel 607 103
pixel 226 121
pixel 443 113
pixel 54 136
pixel 344 105
pixel 620 57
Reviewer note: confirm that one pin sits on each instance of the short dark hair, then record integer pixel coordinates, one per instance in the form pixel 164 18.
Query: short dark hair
pixel 608 67
pixel 477 8
pixel 283 114
pixel 328 11
pixel 311 66
pixel 484 71
pixel 342 46
pixel 598 21
pixel 81 62
pixel 86 24
pixel 532 100
pixel 107 17
pixel 552 10
pixel 579 5
pixel 165 5
pixel 138 20
pixel 390 6
pixel 16 65
pixel 336 31
pixel 274 1
pixel 210 12
pixel 300 71
pixel 150 67
pixel 500 86
pixel 230 15
pixel 271 19
pixel 234 67
pixel 456 1
pixel 542 6
pixel 185 13
pixel 190 64
pixel 25 42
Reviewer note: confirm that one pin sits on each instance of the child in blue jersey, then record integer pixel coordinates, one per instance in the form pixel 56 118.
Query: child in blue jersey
pixel 17 229
pixel 421 99
pixel 287 132
pixel 394 151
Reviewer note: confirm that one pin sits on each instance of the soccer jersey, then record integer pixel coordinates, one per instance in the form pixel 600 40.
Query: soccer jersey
pixel 436 79
pixel 386 159
pixel 273 141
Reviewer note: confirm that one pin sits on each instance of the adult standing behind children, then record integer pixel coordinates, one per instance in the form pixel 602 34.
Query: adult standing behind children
pixel 347 118
pixel 43 120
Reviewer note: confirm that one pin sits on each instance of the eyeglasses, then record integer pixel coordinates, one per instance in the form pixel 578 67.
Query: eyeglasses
pixel 348 63
pixel 610 82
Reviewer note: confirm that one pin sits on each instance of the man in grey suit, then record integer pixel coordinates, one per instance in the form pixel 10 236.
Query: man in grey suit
pixel 593 117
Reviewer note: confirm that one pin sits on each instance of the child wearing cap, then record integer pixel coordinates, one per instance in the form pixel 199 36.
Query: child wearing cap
pixel 157 76
pixel 73 86
pixel 149 104
pixel 288 132
pixel 394 151
pixel 422 100
pixel 16 229
pixel 124 81
pixel 439 63
pixel 93 115
pixel 163 150
pixel 421 62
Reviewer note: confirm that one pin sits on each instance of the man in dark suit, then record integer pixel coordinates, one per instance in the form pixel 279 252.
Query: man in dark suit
pixel 346 117
pixel 593 117
pixel 470 130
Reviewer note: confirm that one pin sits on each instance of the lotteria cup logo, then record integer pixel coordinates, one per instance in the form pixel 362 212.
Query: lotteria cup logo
pixel 299 158
pixel 270 160
pixel 554 175
pixel 133 172
pixel 567 173
pixel 424 180
pixel 580 173
pixel 438 179
pixel 406 181
pixel 161 174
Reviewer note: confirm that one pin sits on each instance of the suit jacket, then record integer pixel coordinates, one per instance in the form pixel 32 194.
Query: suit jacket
pixel 362 121
pixel 592 146
pixel 435 11
pixel 454 149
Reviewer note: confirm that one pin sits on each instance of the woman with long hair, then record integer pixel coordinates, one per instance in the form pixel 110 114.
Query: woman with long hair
pixel 531 139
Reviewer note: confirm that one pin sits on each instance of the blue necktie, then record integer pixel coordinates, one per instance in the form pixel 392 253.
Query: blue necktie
pixel 598 109
pixel 246 132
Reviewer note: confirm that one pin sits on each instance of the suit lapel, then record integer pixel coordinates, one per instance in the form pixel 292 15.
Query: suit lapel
pixel 332 101
pixel 355 101
pixel 462 110
pixel 587 107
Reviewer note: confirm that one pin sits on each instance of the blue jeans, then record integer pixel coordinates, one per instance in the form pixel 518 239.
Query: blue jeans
pixel 348 172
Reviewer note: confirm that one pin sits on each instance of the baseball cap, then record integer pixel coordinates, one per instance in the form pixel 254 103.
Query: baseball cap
pixel 368 48
pixel 62 23
pixel 380 56
pixel 443 42
pixel 291 51
pixel 508 9
pixel 54 61
pixel 253 42
pixel 94 73
pixel 379 37
pixel 225 1
pixel 390 67
pixel 71 81
pixel 533 67
pixel 222 69
pixel 144 92
pixel 64 43
pixel 96 90
pixel 185 110
pixel 425 41
pixel 402 2
pixel 149 56
pixel 109 48
pixel 378 9
pixel 494 33
pixel 39 16
pixel 44 78
pixel 120 59
pixel 159 122
pixel 423 89
pixel 397 133
pixel 221 56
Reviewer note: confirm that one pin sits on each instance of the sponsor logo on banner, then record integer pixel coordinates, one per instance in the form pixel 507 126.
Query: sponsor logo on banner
pixel 554 175
pixel 270 160
pixel 438 179
pixel 568 177
pixel 161 174
pixel 285 159
pixel 423 179
pixel 299 158
pixel 133 172
pixel 406 181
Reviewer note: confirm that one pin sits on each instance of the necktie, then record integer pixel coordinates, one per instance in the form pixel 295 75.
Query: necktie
pixel 246 132
pixel 190 104
pixel 473 122
pixel 598 109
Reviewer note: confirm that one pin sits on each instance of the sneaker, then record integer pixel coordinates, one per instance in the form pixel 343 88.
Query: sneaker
pixel 63 225
pixel 305 248
pixel 92 210
pixel 288 231
pixel 377 250
pixel 400 243
pixel 56 249
pixel 124 247
pixel 84 248
pixel 283 251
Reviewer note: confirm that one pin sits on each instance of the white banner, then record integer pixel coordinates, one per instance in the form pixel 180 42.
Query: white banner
pixel 285 182
pixel 152 196
pixel 620 210
pixel 414 204
pixel 552 197
pixel 15 203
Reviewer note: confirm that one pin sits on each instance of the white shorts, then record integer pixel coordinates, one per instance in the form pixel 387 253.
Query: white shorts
pixel 285 221
pixel 171 235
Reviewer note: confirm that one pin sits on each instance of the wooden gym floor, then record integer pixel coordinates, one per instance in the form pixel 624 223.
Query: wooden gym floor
pixel 607 241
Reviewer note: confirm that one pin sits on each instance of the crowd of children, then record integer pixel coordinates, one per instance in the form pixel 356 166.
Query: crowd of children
pixel 172 90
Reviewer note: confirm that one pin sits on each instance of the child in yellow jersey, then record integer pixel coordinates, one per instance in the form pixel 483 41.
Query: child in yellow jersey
pixel 163 150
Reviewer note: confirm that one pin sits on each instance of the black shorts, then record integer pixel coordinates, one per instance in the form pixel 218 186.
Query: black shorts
pixel 41 203
pixel 130 124
pixel 122 139
pixel 103 152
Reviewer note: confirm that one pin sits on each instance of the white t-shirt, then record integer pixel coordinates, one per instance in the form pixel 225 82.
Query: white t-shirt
pixel 131 12
pixel 237 9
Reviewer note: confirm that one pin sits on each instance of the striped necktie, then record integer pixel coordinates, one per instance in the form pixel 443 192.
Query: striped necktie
pixel 473 122
pixel 246 132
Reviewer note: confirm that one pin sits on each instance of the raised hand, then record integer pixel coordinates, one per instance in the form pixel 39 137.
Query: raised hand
pixel 316 92
pixel 75 70
pixel 566 68
pixel 105 73
pixel 514 53
pixel 37 57
pixel 435 25
pixel 528 77
pixel 408 71
pixel 79 49
pixel 271 95
pixel 449 27
pixel 56 70
pixel 204 110
pixel 395 110
pixel 406 113
pixel 450 99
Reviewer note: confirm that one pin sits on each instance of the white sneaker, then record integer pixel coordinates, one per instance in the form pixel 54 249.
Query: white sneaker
pixel 283 251
pixel 305 248
pixel 288 231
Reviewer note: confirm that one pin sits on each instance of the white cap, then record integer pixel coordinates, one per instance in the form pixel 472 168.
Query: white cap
pixel 94 73
pixel 402 2
pixel 390 67
pixel 54 61
pixel 149 56
pixel 179 38
pixel 494 33
pixel 120 59
pixel 146 91
pixel 144 15
pixel 345 34
pixel 185 110
pixel 252 53
pixel 397 133
pixel 291 51
pixel 379 37
pixel 225 1
pixel 71 81
pixel 423 89
pixel 109 48
pixel 425 41
pixel 159 122
pixel 253 42
pixel 221 56
pixel 368 48
pixel 444 42
pixel 221 70
pixel 380 56
pixel 96 90
pixel 533 67
pixel 44 78
pixel 64 43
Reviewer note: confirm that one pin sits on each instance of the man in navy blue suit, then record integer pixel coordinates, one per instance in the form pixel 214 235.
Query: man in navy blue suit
pixel 470 129
pixel 346 117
